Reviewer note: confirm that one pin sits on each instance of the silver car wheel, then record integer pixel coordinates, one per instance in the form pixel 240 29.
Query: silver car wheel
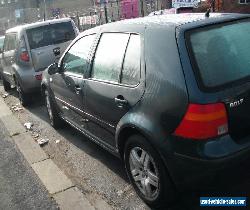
pixel 19 92
pixel 48 105
pixel 144 173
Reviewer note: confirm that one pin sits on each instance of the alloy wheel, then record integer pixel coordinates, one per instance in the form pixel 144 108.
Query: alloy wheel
pixel 48 106
pixel 19 92
pixel 144 172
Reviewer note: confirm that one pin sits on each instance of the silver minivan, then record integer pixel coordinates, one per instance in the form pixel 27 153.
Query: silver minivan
pixel 29 49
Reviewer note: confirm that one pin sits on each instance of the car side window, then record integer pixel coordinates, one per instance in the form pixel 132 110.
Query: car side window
pixel 6 43
pixel 109 56
pixel 75 60
pixel 132 62
pixel 10 42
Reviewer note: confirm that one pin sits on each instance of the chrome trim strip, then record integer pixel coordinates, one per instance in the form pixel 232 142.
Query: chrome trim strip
pixel 5 72
pixel 101 121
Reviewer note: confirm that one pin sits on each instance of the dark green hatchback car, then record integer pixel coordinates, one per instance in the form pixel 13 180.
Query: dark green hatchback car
pixel 168 94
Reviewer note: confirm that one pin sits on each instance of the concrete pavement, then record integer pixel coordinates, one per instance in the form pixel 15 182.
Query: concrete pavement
pixel 20 188
pixel 58 186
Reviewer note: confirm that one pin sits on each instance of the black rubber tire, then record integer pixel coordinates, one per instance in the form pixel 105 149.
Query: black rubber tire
pixel 55 120
pixel 167 193
pixel 6 85
pixel 24 98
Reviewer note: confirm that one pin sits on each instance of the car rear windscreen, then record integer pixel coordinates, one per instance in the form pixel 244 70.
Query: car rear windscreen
pixel 220 53
pixel 50 34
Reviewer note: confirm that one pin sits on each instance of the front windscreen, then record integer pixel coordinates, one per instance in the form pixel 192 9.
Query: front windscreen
pixel 220 53
pixel 50 34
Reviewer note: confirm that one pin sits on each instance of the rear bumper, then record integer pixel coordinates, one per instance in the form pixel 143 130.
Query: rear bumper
pixel 209 165
pixel 28 81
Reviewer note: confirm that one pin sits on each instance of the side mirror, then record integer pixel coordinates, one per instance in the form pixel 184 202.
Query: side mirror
pixel 53 69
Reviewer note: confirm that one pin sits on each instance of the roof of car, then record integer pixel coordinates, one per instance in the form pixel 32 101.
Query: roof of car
pixel 36 24
pixel 174 20
pixel 180 19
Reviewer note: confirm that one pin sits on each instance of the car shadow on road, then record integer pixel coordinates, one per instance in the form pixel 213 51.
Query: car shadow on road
pixel 79 140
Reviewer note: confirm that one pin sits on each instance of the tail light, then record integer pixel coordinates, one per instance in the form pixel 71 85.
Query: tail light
pixel 24 56
pixel 203 122
pixel 39 77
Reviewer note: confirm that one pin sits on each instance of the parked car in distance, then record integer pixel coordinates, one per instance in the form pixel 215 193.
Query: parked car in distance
pixel 29 49
pixel 165 93
pixel 1 50
pixel 1 43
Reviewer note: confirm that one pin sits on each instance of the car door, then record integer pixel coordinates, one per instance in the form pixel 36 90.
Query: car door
pixel 68 85
pixel 114 85
pixel 8 56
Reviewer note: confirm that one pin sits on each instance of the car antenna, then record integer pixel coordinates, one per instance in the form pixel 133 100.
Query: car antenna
pixel 207 14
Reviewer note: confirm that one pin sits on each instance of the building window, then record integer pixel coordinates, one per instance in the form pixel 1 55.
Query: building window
pixel 244 1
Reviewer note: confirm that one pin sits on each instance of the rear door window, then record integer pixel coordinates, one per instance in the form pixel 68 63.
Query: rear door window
pixel 109 57
pixel 50 34
pixel 132 62
pixel 220 54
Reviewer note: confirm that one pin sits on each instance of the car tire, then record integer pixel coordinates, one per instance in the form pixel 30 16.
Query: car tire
pixel 6 85
pixel 22 96
pixel 147 173
pixel 54 117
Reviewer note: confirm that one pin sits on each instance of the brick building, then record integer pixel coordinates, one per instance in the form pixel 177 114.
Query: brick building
pixel 241 6
pixel 238 6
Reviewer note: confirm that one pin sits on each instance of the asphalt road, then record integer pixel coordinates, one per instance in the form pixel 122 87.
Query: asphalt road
pixel 20 188
pixel 97 173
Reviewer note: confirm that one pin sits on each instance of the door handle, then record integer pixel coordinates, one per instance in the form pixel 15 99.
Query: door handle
pixel 120 101
pixel 78 89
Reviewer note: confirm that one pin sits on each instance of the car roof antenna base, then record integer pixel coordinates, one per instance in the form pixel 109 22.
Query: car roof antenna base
pixel 207 14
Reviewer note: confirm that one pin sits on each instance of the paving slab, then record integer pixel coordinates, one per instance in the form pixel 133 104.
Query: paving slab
pixel 72 199
pixel 52 177
pixel 12 124
pixel 30 149
pixel 4 109
pixel 100 204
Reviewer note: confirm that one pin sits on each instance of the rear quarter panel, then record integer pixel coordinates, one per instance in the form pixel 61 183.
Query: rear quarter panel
pixel 165 99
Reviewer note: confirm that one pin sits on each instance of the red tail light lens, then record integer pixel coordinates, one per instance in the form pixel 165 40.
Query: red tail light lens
pixel 203 122
pixel 24 56
pixel 39 77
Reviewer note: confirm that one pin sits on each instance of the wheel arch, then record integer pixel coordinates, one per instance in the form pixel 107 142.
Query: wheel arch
pixel 43 88
pixel 16 75
pixel 153 132
pixel 123 136
pixel 134 124
pixel 128 130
